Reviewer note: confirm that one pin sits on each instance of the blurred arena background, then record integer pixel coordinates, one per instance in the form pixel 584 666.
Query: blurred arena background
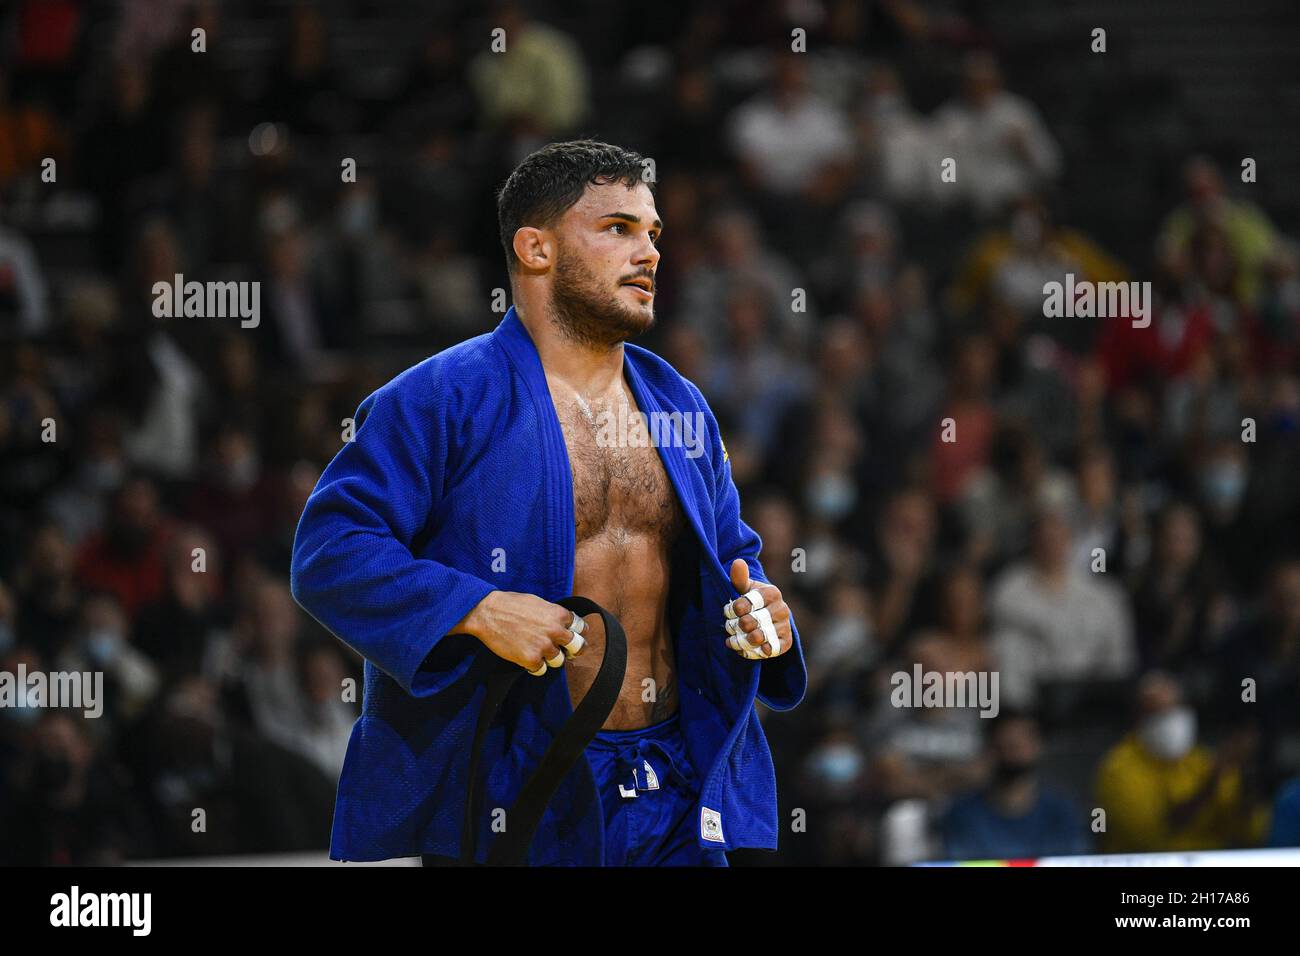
pixel 777 171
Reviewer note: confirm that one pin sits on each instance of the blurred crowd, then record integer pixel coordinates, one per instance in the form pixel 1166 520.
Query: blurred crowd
pixel 1104 515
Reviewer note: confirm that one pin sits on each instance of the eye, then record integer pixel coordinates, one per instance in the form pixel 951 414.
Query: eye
pixel 618 225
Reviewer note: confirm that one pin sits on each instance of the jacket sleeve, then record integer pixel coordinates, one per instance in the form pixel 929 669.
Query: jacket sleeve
pixel 783 680
pixel 353 568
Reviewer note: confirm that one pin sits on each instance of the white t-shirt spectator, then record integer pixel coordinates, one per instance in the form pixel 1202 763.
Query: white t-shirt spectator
pixel 991 169
pixel 788 147
pixel 1083 631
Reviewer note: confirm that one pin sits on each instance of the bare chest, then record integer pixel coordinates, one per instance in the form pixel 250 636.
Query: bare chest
pixel 620 487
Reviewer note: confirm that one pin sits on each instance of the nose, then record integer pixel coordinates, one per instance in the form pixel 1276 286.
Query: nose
pixel 648 256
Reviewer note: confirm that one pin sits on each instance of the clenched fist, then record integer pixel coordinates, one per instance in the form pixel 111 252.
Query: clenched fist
pixel 525 630
pixel 759 620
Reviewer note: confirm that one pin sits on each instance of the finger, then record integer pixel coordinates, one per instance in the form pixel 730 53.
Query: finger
pixel 743 648
pixel 779 614
pixel 740 575
pixel 540 672
pixel 755 597
pixel 576 642
pixel 770 646
pixel 557 660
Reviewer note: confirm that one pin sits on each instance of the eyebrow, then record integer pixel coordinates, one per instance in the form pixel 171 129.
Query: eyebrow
pixel 628 217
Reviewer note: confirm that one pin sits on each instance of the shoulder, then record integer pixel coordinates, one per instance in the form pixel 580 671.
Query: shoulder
pixel 1056 803
pixel 666 379
pixel 461 375
pixel 1125 757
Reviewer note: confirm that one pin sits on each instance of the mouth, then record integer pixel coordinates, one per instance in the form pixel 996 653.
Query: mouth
pixel 644 288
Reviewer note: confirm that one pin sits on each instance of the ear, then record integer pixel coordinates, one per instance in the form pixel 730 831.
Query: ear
pixel 534 248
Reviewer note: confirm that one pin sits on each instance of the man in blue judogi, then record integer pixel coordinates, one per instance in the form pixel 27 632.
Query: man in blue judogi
pixel 548 458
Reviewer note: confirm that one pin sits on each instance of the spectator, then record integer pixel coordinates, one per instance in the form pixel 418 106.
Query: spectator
pixel 103 644
pixel 903 574
pixel 1249 235
pixel 1180 609
pixel 1013 263
pixel 1265 649
pixel 1161 791
pixel 180 632
pixel 795 151
pixel 47 591
pixel 1056 621
pixel 126 558
pixel 1285 830
pixel 1001 145
pixel 925 752
pixel 789 142
pixel 537 85
pixel 896 141
pixel 1016 815
pixel 72 808
pixel 329 709
pixel 235 496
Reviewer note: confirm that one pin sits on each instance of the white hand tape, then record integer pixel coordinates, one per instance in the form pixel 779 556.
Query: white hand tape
pixel 753 595
pixel 765 624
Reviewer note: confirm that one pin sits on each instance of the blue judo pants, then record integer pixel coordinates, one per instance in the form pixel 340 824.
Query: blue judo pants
pixel 649 793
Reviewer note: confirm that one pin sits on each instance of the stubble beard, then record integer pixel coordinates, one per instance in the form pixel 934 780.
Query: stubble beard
pixel 587 315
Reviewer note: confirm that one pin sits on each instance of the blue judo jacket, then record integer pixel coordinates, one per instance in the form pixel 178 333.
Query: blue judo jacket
pixel 457 483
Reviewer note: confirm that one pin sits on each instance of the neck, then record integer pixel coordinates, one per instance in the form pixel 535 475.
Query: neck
pixel 588 369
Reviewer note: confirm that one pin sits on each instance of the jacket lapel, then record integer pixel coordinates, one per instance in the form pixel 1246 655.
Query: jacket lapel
pixel 513 337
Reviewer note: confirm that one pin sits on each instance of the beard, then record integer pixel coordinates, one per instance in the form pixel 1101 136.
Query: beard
pixel 589 315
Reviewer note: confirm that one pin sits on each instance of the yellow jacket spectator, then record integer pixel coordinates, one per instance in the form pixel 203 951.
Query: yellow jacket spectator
pixel 532 73
pixel 1162 792
pixel 1012 263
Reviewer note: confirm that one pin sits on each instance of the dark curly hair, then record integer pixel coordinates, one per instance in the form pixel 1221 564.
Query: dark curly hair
pixel 551 180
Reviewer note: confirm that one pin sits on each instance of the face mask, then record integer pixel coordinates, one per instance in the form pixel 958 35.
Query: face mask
pixel 831 496
pixel 1223 484
pixel 102 645
pixel 358 216
pixel 105 475
pixel 1169 735
pixel 838 764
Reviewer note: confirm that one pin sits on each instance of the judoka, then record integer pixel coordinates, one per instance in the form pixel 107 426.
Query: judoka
pixel 478 490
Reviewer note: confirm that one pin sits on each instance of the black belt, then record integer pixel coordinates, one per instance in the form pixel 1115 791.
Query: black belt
pixel 511 847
